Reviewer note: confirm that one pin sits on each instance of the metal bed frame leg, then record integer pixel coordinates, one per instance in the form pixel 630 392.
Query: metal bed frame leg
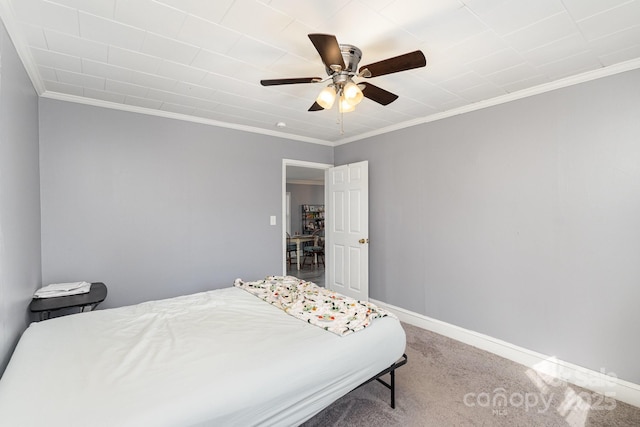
pixel 391 370
pixel 393 389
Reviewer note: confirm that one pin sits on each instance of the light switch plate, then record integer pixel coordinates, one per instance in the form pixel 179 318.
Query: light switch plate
pixel 273 219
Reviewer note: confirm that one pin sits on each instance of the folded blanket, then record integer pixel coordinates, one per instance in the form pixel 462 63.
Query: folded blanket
pixel 62 289
pixel 316 305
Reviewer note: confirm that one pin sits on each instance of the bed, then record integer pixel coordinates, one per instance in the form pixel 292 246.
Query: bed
pixel 222 357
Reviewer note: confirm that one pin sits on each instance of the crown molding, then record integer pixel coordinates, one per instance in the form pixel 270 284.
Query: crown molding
pixel 525 93
pixel 514 96
pixel 177 116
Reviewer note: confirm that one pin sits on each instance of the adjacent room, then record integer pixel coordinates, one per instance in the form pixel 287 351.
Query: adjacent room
pixel 461 178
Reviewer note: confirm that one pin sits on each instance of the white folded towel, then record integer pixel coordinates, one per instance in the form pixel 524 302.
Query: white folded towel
pixel 62 289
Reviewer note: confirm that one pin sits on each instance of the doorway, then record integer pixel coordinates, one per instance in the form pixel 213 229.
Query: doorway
pixel 305 183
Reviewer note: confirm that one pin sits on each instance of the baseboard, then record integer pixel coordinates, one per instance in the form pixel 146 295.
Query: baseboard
pixel 599 382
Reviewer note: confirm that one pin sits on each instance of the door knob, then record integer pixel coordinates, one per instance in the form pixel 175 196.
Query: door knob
pixel 363 241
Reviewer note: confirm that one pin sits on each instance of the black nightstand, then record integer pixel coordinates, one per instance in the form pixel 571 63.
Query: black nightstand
pixel 44 306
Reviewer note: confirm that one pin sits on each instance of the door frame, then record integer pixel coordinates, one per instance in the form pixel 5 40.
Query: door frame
pixel 304 164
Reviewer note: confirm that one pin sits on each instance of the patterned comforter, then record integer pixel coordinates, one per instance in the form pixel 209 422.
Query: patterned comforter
pixel 318 306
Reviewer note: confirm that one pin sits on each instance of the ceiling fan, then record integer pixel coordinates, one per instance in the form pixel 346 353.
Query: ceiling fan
pixel 341 63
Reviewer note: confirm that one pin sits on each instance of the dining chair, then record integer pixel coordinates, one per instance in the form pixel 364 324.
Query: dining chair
pixel 291 247
pixel 315 250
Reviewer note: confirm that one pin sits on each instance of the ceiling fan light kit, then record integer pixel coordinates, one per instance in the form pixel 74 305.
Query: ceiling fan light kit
pixel 326 97
pixel 341 64
pixel 344 106
pixel 352 93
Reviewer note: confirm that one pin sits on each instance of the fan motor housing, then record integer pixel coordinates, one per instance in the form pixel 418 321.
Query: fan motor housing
pixel 351 56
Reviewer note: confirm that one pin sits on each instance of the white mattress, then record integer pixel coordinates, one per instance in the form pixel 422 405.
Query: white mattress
pixel 222 357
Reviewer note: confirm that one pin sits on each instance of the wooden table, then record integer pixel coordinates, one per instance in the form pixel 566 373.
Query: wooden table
pixel 301 238
pixel 91 299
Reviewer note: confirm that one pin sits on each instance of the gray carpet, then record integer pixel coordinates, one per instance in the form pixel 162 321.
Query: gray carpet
pixel 448 383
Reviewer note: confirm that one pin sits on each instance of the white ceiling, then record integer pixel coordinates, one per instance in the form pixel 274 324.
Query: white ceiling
pixel 203 60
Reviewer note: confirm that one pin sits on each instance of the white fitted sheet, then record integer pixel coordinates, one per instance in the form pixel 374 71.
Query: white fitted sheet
pixel 221 357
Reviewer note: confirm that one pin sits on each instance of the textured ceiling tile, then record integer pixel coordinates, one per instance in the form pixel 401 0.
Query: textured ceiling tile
pixel 412 108
pixel 47 15
pixel 110 32
pixel 104 8
pixel 482 92
pixel 578 63
pixel 312 13
pixel 412 13
pixel 611 21
pixel 212 11
pixel 496 61
pixel 509 16
pixel 75 46
pixel 458 25
pixel 622 55
pixel 47 58
pixel 108 71
pixel 123 88
pixel 82 80
pixel 542 32
pixel 463 82
pixel 255 19
pixel 194 91
pixel 48 73
pixel 207 35
pixel 581 9
pixel 617 41
pixel 170 49
pixel 181 72
pixel 34 36
pixel 152 80
pixel 476 47
pixel 557 50
pixel 133 60
pixel 150 16
pixel 340 25
pixel 513 74
pixel 63 88
pixel 255 52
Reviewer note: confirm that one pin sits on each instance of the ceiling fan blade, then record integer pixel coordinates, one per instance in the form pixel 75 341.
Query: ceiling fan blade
pixel 404 62
pixel 315 107
pixel 329 49
pixel 377 94
pixel 274 82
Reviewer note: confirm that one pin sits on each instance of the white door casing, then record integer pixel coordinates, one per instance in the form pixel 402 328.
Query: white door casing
pixel 304 164
pixel 347 229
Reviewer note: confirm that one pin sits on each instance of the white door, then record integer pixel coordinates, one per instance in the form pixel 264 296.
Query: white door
pixel 347 232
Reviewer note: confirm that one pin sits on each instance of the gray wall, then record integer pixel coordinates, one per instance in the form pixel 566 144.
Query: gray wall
pixel 303 194
pixel 20 272
pixel 156 207
pixel 520 221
